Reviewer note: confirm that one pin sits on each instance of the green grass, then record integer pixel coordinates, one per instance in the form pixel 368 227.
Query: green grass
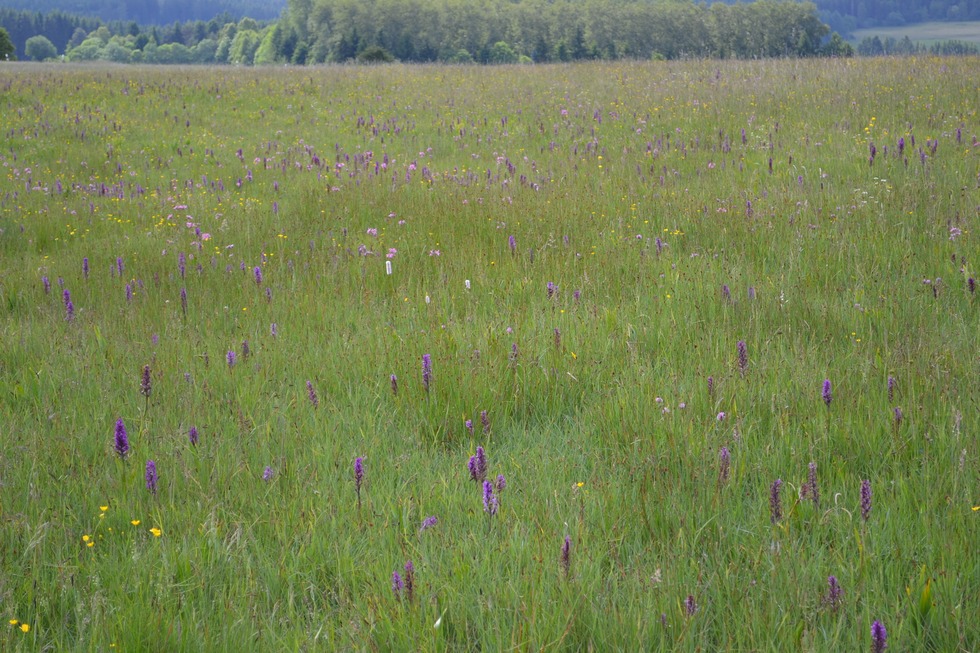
pixel 602 424
pixel 925 33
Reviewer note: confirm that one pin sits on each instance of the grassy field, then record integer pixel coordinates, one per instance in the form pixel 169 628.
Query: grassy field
pixel 925 33
pixel 666 356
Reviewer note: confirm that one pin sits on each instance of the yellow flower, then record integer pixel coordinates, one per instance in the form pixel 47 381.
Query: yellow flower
pixel 85 538
pixel 103 508
pixel 156 532
pixel 135 522
pixel 976 508
pixel 580 483
pixel 14 622
pixel 90 544
pixel 25 627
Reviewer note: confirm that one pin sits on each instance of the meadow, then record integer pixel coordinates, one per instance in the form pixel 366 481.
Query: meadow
pixel 672 356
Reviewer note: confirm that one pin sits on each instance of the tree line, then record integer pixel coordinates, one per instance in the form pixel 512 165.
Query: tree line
pixel 465 31
pixel 453 31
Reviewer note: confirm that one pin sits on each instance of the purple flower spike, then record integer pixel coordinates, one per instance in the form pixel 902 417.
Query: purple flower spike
pixel 119 266
pixel 775 504
pixel 145 382
pixel 85 267
pixel 513 244
pixel 426 371
pixel 192 436
pixel 711 386
pixel 490 502
pixel 267 474
pixel 481 464
pixel 258 276
pixel 484 422
pixel 122 440
pixel 246 352
pixel 826 393
pixel 183 301
pixel 311 393
pixel 409 581
pixel 566 556
pixel 891 388
pixel 428 523
pixel 898 416
pixel 151 476
pixel 397 585
pixel 478 465
pixel 231 357
pixel 835 595
pixel 552 289
pixel 500 484
pixel 726 292
pixel 358 477
pixel 811 485
pixel 47 285
pixel 879 637
pixel 971 283
pixel 690 606
pixel 724 464
pixel 469 426
pixel 394 385
pixel 743 357
pixel 865 499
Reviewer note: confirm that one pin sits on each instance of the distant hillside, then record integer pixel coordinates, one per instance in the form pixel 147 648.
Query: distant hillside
pixel 846 16
pixel 155 12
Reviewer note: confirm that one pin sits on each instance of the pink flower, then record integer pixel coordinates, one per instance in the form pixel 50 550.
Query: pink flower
pixel 392 252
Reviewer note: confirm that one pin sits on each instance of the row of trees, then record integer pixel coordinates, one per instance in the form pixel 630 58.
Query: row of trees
pixel 68 31
pixel 244 43
pixel 463 31
pixel 876 47
pixel 491 31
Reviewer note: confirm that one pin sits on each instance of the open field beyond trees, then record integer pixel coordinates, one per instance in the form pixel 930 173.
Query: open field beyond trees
pixel 674 356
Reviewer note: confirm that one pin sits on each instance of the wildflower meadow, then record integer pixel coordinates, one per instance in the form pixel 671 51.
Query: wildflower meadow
pixel 664 356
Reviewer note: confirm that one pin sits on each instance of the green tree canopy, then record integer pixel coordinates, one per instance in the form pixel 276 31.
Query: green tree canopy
pixel 6 46
pixel 39 48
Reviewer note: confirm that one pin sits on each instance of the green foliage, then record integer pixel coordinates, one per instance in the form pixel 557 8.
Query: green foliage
pixel 501 53
pixel 375 54
pixel 637 193
pixel 243 47
pixel 567 30
pixel 7 51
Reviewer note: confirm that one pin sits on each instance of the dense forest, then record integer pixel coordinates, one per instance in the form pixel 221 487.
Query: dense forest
pixel 153 12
